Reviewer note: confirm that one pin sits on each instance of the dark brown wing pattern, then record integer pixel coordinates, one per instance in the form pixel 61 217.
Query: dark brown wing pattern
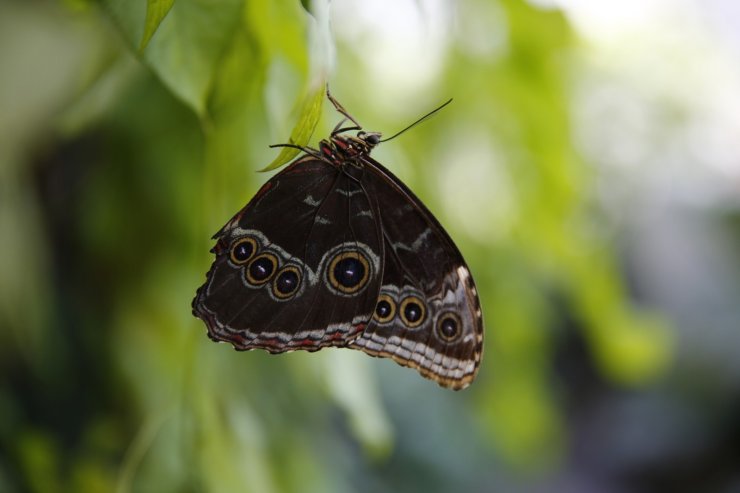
pixel 298 268
pixel 337 251
pixel 428 316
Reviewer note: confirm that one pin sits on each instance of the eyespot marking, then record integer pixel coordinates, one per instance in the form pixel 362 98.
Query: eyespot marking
pixel 261 268
pixel 243 250
pixel 348 272
pixel 287 282
pixel 449 326
pixel 413 311
pixel 385 309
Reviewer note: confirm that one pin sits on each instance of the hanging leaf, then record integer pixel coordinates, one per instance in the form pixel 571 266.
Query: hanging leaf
pixel 302 132
pixel 156 11
pixel 186 53
pixel 306 5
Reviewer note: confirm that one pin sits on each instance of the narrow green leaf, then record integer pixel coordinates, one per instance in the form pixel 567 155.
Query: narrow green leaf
pixel 302 132
pixel 156 11
pixel 307 6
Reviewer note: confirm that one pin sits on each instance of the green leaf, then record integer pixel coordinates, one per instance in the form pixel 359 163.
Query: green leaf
pixel 156 11
pixel 302 132
pixel 190 42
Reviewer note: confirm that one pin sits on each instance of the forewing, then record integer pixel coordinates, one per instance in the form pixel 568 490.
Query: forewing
pixel 314 223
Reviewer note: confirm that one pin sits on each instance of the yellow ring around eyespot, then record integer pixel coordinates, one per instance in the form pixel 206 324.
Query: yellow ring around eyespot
pixel 333 280
pixel 402 309
pixel 458 321
pixel 258 282
pixel 238 242
pixel 284 296
pixel 389 317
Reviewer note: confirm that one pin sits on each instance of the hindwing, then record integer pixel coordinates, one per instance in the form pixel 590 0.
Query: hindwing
pixel 428 315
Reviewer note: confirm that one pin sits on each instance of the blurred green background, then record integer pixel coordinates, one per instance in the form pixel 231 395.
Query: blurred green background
pixel 588 169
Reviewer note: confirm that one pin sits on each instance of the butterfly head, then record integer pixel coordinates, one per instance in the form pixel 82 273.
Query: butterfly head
pixel 371 139
pixel 346 147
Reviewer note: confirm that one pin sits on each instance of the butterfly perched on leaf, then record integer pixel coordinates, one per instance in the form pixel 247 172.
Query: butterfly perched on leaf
pixel 335 251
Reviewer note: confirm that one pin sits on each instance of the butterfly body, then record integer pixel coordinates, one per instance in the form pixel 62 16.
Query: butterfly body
pixel 336 251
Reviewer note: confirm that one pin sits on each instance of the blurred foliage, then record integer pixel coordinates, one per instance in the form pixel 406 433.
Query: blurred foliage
pixel 156 11
pixel 132 131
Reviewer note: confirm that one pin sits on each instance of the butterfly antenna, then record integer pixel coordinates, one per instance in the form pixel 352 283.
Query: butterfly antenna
pixel 428 115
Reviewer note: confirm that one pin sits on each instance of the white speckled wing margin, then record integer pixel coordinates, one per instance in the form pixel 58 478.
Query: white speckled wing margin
pixel 451 363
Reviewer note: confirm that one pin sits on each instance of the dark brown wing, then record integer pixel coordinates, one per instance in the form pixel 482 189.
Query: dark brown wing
pixel 299 267
pixel 428 316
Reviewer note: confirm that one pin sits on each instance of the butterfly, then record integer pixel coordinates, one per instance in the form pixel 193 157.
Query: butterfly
pixel 336 251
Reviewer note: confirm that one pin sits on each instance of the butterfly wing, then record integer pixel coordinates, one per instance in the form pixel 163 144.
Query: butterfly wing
pixel 428 315
pixel 299 267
